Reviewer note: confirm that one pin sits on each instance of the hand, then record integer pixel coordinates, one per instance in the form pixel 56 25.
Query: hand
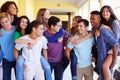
pixel 33 42
pixel 25 66
pixel 30 46
pixel 112 64
pixel 60 39
pixel 93 59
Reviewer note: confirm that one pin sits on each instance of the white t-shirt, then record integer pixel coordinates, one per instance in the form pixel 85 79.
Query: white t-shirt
pixel 32 56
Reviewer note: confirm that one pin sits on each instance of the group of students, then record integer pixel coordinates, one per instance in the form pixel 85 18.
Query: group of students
pixel 34 49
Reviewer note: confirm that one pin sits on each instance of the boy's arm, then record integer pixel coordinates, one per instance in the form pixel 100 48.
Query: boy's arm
pixel 67 52
pixel 16 53
pixel 45 53
pixel 115 52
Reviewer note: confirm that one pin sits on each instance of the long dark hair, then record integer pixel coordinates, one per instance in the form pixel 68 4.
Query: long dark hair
pixel 6 5
pixel 18 28
pixel 112 16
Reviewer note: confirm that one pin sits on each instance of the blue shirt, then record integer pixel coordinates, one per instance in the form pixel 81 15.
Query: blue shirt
pixel 83 52
pixel 105 42
pixel 7 44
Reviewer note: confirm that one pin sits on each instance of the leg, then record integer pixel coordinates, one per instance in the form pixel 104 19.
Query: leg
pixel 73 65
pixel 88 73
pixel 65 62
pixel 6 69
pixel 106 67
pixel 80 74
pixel 39 73
pixel 58 71
pixel 29 73
pixel 19 68
pixel 46 68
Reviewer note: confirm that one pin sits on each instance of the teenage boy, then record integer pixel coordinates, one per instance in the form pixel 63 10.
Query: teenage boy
pixel 105 42
pixel 7 45
pixel 55 49
pixel 82 51
pixel 32 52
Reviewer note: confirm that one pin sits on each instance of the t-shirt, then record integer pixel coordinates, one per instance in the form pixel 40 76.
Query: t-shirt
pixel 16 36
pixel 32 56
pixel 7 44
pixel 83 52
pixel 55 49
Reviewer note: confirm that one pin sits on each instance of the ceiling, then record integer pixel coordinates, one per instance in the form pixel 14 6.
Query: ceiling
pixel 55 11
pixel 59 0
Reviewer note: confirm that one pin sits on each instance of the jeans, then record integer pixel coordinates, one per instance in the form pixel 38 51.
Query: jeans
pixel 7 68
pixel 73 65
pixel 19 68
pixel 57 66
pixel 46 67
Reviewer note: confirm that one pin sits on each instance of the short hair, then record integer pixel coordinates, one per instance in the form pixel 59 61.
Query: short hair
pixel 4 15
pixel 85 21
pixel 95 12
pixel 53 21
pixel 35 24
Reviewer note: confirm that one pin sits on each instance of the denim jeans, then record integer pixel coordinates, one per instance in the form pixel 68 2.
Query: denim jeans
pixel 7 68
pixel 58 71
pixel 73 65
pixel 19 68
pixel 46 67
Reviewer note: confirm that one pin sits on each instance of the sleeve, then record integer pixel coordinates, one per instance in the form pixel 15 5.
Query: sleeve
pixel 70 45
pixel 116 28
pixel 19 46
pixel 108 37
pixel 45 43
pixel 16 35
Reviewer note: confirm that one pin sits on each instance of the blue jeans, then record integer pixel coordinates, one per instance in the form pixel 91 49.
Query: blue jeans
pixel 73 66
pixel 19 68
pixel 58 71
pixel 46 67
pixel 7 68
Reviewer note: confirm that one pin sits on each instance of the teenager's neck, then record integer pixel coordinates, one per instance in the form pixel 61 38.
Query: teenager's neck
pixel 8 29
pixel 32 36
pixel 82 35
pixel 12 18
pixel 51 31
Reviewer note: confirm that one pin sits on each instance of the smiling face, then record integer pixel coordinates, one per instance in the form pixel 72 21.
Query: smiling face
pixel 5 22
pixel 23 23
pixel 39 30
pixel 81 28
pixel 106 13
pixel 95 20
pixel 47 14
pixel 12 10
pixel 56 28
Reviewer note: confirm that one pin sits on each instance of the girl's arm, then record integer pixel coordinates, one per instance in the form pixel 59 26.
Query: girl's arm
pixel 77 41
pixel 24 41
